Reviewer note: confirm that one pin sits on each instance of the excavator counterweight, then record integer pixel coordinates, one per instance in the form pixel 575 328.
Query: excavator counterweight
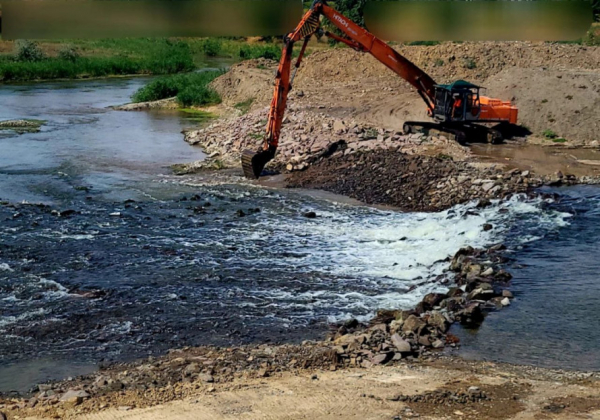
pixel 456 108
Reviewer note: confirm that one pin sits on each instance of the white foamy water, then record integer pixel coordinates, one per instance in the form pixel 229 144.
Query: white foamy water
pixel 377 258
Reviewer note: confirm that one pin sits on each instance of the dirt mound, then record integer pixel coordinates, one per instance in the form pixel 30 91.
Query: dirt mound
pixel 249 80
pixel 565 102
pixel 450 61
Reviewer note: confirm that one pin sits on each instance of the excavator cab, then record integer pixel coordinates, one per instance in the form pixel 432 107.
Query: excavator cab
pixel 457 102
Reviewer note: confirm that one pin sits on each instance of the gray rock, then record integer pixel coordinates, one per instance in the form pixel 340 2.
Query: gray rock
pixel 488 186
pixel 413 324
pixel 507 294
pixel 437 344
pixel 75 397
pixel 191 369
pixel 207 378
pixel 402 345
pixel 488 272
pixel 437 320
pixel 381 358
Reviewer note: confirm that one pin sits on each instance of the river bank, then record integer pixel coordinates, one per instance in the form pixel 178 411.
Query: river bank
pixel 436 388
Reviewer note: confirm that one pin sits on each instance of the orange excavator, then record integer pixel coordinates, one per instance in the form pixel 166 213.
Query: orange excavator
pixel 456 108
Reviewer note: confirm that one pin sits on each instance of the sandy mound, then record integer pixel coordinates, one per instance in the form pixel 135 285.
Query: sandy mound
pixel 251 79
pixel 449 61
pixel 566 102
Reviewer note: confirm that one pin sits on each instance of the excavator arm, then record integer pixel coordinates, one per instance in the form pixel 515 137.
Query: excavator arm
pixel 358 38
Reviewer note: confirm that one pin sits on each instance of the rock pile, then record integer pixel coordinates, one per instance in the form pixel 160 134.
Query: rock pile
pixel 397 335
pixel 411 182
pixel 307 138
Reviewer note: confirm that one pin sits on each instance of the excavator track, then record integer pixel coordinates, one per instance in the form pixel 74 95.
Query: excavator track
pixel 462 133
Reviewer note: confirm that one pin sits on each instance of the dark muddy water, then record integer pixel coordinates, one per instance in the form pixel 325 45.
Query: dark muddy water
pixel 106 256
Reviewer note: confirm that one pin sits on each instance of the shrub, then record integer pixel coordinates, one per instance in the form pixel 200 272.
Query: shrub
pixel 190 89
pixel 28 51
pixel 171 58
pixel 244 106
pixel 270 51
pixel 68 53
pixel 211 47
pixel 438 63
pixel 549 134
pixel 198 95
pixel 424 43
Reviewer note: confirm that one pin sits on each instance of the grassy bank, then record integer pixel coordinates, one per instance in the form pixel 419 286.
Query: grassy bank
pixel 25 61
pixel 190 89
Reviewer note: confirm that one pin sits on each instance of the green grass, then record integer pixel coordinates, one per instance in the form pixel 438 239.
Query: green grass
pixel 429 43
pixel 164 59
pixel 190 89
pixel 559 140
pixel 244 106
pixel 107 57
pixel 549 134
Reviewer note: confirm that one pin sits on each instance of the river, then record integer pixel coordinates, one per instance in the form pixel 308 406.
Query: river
pixel 104 255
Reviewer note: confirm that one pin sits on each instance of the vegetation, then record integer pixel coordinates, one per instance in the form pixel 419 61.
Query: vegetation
pixel 106 57
pixel 559 140
pixel 549 134
pixel 190 89
pixel 353 10
pixel 424 43
pixel 244 106
pixel 29 63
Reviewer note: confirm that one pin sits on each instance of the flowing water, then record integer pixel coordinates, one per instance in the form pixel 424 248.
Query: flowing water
pixel 106 256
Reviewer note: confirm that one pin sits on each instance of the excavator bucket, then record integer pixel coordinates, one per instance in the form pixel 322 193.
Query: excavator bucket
pixel 253 163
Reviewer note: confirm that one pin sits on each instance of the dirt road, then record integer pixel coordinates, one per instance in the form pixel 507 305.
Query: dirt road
pixel 491 392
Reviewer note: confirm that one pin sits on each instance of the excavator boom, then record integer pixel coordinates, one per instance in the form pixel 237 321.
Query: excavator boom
pixel 361 40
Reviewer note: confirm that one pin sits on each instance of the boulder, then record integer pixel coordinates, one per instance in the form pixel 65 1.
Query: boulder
pixel 433 299
pixel 507 294
pixel 207 378
pixel 402 345
pixel 439 321
pixel 471 314
pixel 413 324
pixel 74 397
pixel 191 369
pixel 483 291
pixel 381 358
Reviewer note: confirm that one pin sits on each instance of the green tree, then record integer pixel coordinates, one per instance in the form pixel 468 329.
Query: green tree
pixel 353 10
pixel 596 8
